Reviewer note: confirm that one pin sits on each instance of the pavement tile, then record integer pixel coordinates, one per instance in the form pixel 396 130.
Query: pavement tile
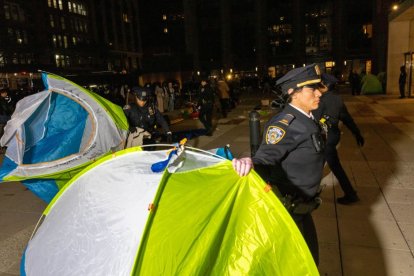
pixel 378 210
pixel 403 195
pixel 11 250
pixel 358 260
pixel 403 212
pixel 408 232
pixel 12 221
pixel 326 228
pixel 330 262
pixel 371 233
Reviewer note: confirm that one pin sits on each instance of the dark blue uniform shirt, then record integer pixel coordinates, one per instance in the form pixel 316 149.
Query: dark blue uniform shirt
pixel 292 145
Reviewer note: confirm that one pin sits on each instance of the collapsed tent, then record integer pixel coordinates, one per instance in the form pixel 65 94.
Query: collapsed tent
pixel 120 216
pixel 54 134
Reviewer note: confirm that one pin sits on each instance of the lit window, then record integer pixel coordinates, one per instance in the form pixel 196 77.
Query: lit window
pixel 54 4
pixel 57 60
pixel 164 17
pixel 2 63
pixel 52 21
pixel 69 6
pixel 6 11
pixel 125 17
pixel 49 3
pixel 18 37
pixel 54 40
pixel 367 30
pixel 75 8
pixel 165 30
pixel 65 41
pixel 14 12
pixel 60 5
pixel 74 41
pixel 59 37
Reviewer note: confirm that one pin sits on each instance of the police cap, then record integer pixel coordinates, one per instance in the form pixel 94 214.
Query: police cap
pixel 141 93
pixel 328 79
pixel 299 77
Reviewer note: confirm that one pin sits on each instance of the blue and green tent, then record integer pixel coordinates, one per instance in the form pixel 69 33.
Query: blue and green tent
pixel 54 134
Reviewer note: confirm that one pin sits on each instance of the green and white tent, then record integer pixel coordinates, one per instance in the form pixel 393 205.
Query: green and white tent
pixel 120 216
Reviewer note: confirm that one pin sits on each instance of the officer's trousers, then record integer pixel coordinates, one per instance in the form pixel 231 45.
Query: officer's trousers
pixel 331 156
pixel 308 230
pixel 206 116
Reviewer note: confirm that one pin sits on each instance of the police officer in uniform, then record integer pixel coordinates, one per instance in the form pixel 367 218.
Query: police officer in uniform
pixel 292 148
pixel 206 105
pixel 144 115
pixel 331 110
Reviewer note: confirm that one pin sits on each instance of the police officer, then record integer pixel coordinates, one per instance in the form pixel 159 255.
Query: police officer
pixel 144 115
pixel 331 110
pixel 206 105
pixel 292 148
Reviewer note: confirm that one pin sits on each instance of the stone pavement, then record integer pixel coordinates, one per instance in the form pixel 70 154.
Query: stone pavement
pixel 372 237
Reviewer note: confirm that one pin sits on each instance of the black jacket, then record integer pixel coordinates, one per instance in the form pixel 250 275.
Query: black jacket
pixel 205 96
pixel 293 146
pixel 333 106
pixel 146 117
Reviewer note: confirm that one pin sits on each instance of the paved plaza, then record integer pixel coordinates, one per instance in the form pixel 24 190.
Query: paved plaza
pixel 372 237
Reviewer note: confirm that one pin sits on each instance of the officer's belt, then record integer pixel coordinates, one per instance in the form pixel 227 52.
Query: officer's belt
pixel 298 205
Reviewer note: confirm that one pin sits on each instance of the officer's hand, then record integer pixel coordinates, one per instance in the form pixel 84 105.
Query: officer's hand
pixel 360 140
pixel 243 165
pixel 132 129
pixel 169 137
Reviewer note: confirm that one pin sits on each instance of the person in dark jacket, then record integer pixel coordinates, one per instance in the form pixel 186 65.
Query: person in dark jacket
pixel 6 108
pixel 291 154
pixel 401 81
pixel 330 112
pixel 206 105
pixel 144 115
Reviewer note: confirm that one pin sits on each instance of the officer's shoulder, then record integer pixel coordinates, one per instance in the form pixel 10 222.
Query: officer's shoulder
pixel 282 119
pixel 277 127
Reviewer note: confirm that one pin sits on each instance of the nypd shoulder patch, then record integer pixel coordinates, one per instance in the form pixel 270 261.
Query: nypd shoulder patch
pixel 274 134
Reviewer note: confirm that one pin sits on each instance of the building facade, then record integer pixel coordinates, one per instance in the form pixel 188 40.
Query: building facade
pixel 401 47
pixel 74 38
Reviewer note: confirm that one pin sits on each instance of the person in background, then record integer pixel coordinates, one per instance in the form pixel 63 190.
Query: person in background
pixel 6 110
pixel 171 96
pixel 330 112
pixel 354 81
pixel 291 155
pixel 143 118
pixel 206 105
pixel 223 92
pixel 159 94
pixel 401 81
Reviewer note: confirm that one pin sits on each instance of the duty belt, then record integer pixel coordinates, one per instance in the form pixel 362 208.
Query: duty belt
pixel 300 206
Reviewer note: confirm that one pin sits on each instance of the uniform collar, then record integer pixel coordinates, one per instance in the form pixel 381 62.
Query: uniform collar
pixel 310 115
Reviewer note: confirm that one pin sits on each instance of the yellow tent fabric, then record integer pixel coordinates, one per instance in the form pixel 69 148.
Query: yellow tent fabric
pixel 212 222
